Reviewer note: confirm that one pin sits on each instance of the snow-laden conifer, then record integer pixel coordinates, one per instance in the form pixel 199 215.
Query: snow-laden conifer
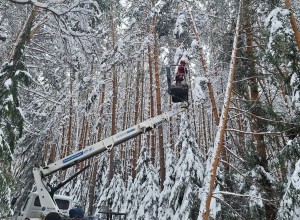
pixel 289 203
pixel 165 211
pixel 129 195
pixel 185 195
pixel 145 190
pixel 112 198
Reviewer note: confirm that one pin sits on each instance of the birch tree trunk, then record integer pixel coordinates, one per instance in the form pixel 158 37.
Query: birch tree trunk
pixel 213 160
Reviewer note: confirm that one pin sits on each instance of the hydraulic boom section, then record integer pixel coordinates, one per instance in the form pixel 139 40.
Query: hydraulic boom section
pixel 108 143
pixel 46 196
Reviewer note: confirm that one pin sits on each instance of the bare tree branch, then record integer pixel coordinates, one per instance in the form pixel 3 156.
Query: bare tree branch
pixel 261 118
pixel 254 133
pixel 229 206
pixel 243 195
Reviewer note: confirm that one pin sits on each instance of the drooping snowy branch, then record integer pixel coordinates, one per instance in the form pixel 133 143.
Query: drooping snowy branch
pixel 57 8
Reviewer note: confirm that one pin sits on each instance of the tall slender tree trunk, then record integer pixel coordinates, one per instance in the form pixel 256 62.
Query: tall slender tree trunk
pixel 92 185
pixel 52 157
pixel 270 208
pixel 136 114
pixel 151 133
pixel 114 104
pixel 142 101
pixel 67 150
pixel 171 135
pixel 162 171
pixel 203 63
pixel 124 123
pixel 241 138
pixel 83 141
pixel 204 130
pixel 24 35
pixel 46 152
pixel 218 143
pixel 294 24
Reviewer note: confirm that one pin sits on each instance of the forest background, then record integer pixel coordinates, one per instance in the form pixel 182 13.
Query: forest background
pixel 75 72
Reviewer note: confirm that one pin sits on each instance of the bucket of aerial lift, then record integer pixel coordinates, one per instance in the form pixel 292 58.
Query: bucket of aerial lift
pixel 180 92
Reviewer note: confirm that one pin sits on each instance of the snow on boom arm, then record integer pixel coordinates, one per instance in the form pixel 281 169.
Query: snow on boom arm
pixel 95 149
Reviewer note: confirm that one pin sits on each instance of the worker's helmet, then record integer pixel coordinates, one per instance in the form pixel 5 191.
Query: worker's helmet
pixel 182 62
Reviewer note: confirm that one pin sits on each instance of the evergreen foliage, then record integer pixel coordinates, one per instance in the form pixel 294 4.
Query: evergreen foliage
pixel 13 73
pixel 165 210
pixel 145 190
pixel 186 192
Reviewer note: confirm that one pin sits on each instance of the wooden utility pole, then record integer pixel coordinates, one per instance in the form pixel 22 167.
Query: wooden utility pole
pixel 218 144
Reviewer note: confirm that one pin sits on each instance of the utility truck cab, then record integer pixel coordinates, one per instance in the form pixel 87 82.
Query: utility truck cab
pixel 32 208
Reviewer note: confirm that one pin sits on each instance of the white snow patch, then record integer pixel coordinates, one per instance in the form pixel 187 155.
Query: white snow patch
pixel 194 44
pixel 296 176
pixel 21 111
pixel 178 30
pixel 18 72
pixel 198 94
pixel 8 83
pixel 255 197
pixel 273 20
pixel 9 98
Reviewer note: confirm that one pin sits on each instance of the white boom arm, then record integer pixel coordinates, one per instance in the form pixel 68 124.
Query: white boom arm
pixel 90 151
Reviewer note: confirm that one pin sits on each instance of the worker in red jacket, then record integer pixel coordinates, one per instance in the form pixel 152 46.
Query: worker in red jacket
pixel 181 71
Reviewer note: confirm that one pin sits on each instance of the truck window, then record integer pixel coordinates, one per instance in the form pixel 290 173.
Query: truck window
pixel 37 202
pixel 62 204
